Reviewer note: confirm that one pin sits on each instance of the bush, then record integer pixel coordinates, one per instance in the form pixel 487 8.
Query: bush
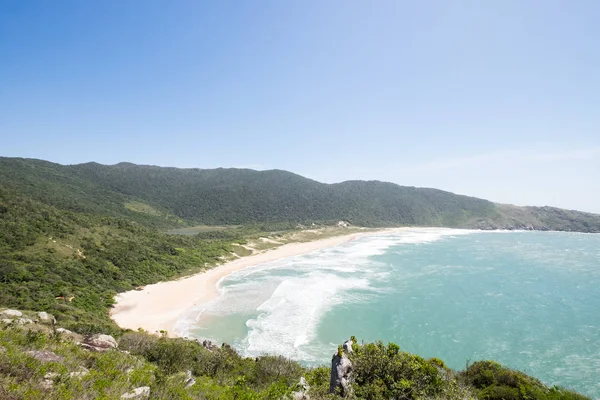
pixel 386 372
pixel 495 382
pixel 269 369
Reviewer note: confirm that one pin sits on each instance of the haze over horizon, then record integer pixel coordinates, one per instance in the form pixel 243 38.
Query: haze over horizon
pixel 497 100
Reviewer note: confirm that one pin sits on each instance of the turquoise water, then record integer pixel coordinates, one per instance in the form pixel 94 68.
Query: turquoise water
pixel 530 300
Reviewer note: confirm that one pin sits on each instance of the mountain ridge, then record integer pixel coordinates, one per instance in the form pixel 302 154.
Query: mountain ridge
pixel 234 196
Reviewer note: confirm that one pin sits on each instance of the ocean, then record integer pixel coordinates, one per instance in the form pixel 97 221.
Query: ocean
pixel 529 300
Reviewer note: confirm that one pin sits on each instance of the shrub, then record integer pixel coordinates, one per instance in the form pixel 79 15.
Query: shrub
pixel 269 369
pixel 386 372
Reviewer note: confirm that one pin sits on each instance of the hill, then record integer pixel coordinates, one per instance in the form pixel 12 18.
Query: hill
pixel 168 197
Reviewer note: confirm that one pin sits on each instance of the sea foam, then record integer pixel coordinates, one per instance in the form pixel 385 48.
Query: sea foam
pixel 285 300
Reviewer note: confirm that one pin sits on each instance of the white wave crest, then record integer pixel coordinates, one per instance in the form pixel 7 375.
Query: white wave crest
pixel 289 318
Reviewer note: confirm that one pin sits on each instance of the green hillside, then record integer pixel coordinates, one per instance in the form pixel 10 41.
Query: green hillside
pixel 170 197
pixel 73 264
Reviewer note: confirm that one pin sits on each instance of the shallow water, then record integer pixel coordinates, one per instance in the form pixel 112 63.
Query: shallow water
pixel 529 300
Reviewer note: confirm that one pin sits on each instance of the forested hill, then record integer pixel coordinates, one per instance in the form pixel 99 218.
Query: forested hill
pixel 162 197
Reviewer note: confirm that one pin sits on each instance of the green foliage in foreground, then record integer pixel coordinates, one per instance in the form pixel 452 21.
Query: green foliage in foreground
pixel 385 372
pixel 381 372
pixel 492 381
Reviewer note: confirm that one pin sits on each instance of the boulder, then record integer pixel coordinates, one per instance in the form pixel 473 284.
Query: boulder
pixel 23 321
pixel 142 392
pixel 10 314
pixel 6 321
pixel 2 349
pixel 207 344
pixel 341 371
pixel 64 331
pixel 45 318
pixel 189 379
pixel 100 342
pixel 302 390
pixel 44 355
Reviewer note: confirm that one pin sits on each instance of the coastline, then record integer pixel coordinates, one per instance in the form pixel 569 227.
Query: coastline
pixel 158 306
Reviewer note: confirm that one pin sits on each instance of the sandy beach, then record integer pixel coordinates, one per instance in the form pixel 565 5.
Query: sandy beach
pixel 157 307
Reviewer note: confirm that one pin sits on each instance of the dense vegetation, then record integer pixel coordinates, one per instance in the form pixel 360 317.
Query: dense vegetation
pixel 72 264
pixel 166 366
pixel 167 197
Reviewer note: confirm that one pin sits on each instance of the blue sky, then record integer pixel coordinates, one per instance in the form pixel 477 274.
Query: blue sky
pixel 496 99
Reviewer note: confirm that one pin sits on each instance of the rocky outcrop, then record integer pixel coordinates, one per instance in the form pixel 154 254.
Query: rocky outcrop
pixel 347 346
pixel 207 344
pixel 11 314
pixel 23 321
pixel 45 318
pixel 100 342
pixel 142 392
pixel 341 370
pixel 44 356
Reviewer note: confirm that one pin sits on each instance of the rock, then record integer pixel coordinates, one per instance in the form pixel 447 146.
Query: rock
pixel 23 321
pixel 6 321
pixel 189 379
pixel 44 356
pixel 301 393
pixel 46 318
pixel 341 373
pixel 347 346
pixel 100 343
pixel 10 313
pixel 79 374
pixel 207 344
pixel 142 392
pixel 300 396
pixel 2 349
pixel 302 384
pixel 48 381
pixel 64 331
pixel 47 384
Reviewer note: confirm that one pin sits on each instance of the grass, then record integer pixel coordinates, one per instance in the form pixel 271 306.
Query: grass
pixel 194 230
pixel 142 208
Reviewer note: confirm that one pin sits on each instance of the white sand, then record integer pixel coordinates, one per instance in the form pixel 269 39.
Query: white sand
pixel 157 307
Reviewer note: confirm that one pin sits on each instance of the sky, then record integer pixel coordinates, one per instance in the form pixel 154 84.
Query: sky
pixel 494 99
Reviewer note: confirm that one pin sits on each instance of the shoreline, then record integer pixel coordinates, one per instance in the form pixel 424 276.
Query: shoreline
pixel 159 306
